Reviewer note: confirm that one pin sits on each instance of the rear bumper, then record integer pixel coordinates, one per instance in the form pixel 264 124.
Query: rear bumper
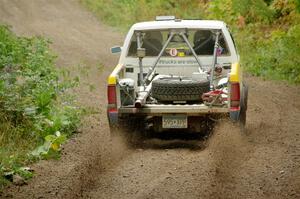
pixel 158 110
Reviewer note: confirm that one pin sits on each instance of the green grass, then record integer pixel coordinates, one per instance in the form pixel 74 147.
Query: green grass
pixel 266 31
pixel 33 103
pixel 274 58
pixel 124 13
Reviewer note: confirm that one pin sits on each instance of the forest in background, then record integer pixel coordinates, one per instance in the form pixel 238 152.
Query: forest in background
pixel 267 32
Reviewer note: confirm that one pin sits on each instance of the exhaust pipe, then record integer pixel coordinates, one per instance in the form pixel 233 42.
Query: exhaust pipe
pixel 138 104
pixel 143 94
pixel 142 97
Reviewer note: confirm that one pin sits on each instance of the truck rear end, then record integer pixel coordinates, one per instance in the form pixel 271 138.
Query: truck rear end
pixel 176 74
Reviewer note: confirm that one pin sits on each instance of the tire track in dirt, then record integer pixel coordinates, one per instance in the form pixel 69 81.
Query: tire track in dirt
pixel 264 163
pixel 82 45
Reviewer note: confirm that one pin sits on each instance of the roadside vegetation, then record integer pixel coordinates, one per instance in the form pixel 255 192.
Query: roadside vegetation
pixel 267 31
pixel 36 114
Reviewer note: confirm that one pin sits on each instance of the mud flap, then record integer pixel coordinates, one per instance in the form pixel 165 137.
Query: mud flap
pixel 112 118
pixel 234 115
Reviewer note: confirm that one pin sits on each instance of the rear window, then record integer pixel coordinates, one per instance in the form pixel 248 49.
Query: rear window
pixel 201 40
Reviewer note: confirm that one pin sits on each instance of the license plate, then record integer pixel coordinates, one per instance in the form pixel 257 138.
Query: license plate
pixel 174 121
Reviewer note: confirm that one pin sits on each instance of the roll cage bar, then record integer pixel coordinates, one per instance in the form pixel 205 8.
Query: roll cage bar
pixel 181 32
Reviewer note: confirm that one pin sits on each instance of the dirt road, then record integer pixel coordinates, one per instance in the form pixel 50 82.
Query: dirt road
pixel 265 163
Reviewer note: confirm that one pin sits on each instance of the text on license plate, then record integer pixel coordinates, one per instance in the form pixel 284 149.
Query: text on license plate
pixel 174 121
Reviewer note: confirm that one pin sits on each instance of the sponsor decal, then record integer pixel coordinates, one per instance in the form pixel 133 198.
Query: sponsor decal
pixel 173 52
pixel 220 51
pixel 177 62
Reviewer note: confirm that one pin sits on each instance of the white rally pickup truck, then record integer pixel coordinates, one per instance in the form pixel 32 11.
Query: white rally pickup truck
pixel 175 74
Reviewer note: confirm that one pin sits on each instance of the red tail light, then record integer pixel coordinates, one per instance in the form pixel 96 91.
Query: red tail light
pixel 111 94
pixel 235 95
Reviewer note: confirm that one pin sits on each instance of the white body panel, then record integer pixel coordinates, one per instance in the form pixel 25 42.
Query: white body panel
pixel 183 66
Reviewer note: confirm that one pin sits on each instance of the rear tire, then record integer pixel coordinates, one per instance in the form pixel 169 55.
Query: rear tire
pixel 130 128
pixel 243 107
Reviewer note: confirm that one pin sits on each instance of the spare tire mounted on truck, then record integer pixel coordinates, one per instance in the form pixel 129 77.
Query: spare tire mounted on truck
pixel 179 89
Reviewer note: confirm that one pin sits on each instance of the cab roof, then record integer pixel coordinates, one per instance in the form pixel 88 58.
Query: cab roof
pixel 169 24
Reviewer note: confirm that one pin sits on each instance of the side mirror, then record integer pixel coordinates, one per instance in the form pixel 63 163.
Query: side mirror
pixel 115 49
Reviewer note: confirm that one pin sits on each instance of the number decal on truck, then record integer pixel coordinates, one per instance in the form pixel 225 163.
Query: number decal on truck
pixel 173 52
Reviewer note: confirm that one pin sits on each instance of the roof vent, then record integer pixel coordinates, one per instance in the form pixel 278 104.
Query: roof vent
pixel 165 18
